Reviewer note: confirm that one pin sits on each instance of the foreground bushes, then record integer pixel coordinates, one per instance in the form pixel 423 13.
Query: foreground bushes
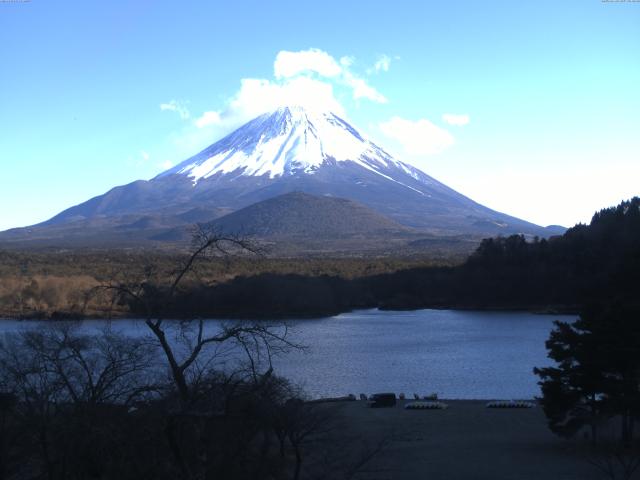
pixel 77 406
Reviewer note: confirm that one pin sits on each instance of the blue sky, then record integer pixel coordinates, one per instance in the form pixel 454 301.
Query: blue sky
pixel 531 108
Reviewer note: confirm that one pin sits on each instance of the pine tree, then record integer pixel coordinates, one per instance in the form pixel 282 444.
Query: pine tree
pixel 597 376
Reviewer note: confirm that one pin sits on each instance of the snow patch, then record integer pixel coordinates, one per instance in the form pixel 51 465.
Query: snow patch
pixel 288 141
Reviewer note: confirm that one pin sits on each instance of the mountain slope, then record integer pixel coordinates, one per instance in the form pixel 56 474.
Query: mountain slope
pixel 288 150
pixel 289 141
pixel 299 214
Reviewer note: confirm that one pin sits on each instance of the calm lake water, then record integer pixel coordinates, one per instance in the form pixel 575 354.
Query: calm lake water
pixel 457 354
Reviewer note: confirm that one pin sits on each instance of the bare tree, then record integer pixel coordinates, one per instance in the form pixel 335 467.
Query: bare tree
pixel 258 340
pixel 88 369
pixel 195 350
pixel 66 383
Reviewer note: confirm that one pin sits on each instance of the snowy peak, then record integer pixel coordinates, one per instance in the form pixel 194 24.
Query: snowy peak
pixel 291 140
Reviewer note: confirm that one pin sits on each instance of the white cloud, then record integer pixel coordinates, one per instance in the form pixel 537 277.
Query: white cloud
pixel 257 96
pixel 290 64
pixel 166 165
pixel 176 106
pixel 455 119
pixel 208 118
pixel 145 155
pixel 419 137
pixel 362 90
pixel 347 61
pixel 382 64
pixel 310 78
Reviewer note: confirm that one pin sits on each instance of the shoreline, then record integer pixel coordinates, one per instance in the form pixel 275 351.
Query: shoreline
pixel 72 316
pixel 401 402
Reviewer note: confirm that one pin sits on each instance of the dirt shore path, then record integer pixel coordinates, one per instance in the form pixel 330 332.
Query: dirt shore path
pixel 466 441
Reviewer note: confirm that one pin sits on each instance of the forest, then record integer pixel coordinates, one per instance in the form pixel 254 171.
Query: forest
pixel 589 263
pixel 586 264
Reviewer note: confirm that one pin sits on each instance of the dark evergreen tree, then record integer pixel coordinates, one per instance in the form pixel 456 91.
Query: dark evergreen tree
pixel 597 376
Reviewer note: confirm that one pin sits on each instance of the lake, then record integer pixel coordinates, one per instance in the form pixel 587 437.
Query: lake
pixel 456 354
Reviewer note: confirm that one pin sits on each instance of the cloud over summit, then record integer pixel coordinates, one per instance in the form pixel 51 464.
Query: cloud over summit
pixel 316 80
pixel 310 78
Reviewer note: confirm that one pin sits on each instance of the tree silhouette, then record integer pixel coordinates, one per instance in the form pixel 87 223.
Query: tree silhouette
pixel 259 340
pixel 597 376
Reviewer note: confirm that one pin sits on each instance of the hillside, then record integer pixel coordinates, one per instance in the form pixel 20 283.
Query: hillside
pixel 299 214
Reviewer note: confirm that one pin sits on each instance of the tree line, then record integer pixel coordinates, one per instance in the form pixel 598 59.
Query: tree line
pixel 589 263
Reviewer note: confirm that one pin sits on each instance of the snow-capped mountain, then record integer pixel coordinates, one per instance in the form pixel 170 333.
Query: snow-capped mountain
pixel 292 140
pixel 294 148
pixel 288 150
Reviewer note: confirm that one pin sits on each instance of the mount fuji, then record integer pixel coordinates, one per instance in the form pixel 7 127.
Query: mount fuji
pixel 291 149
